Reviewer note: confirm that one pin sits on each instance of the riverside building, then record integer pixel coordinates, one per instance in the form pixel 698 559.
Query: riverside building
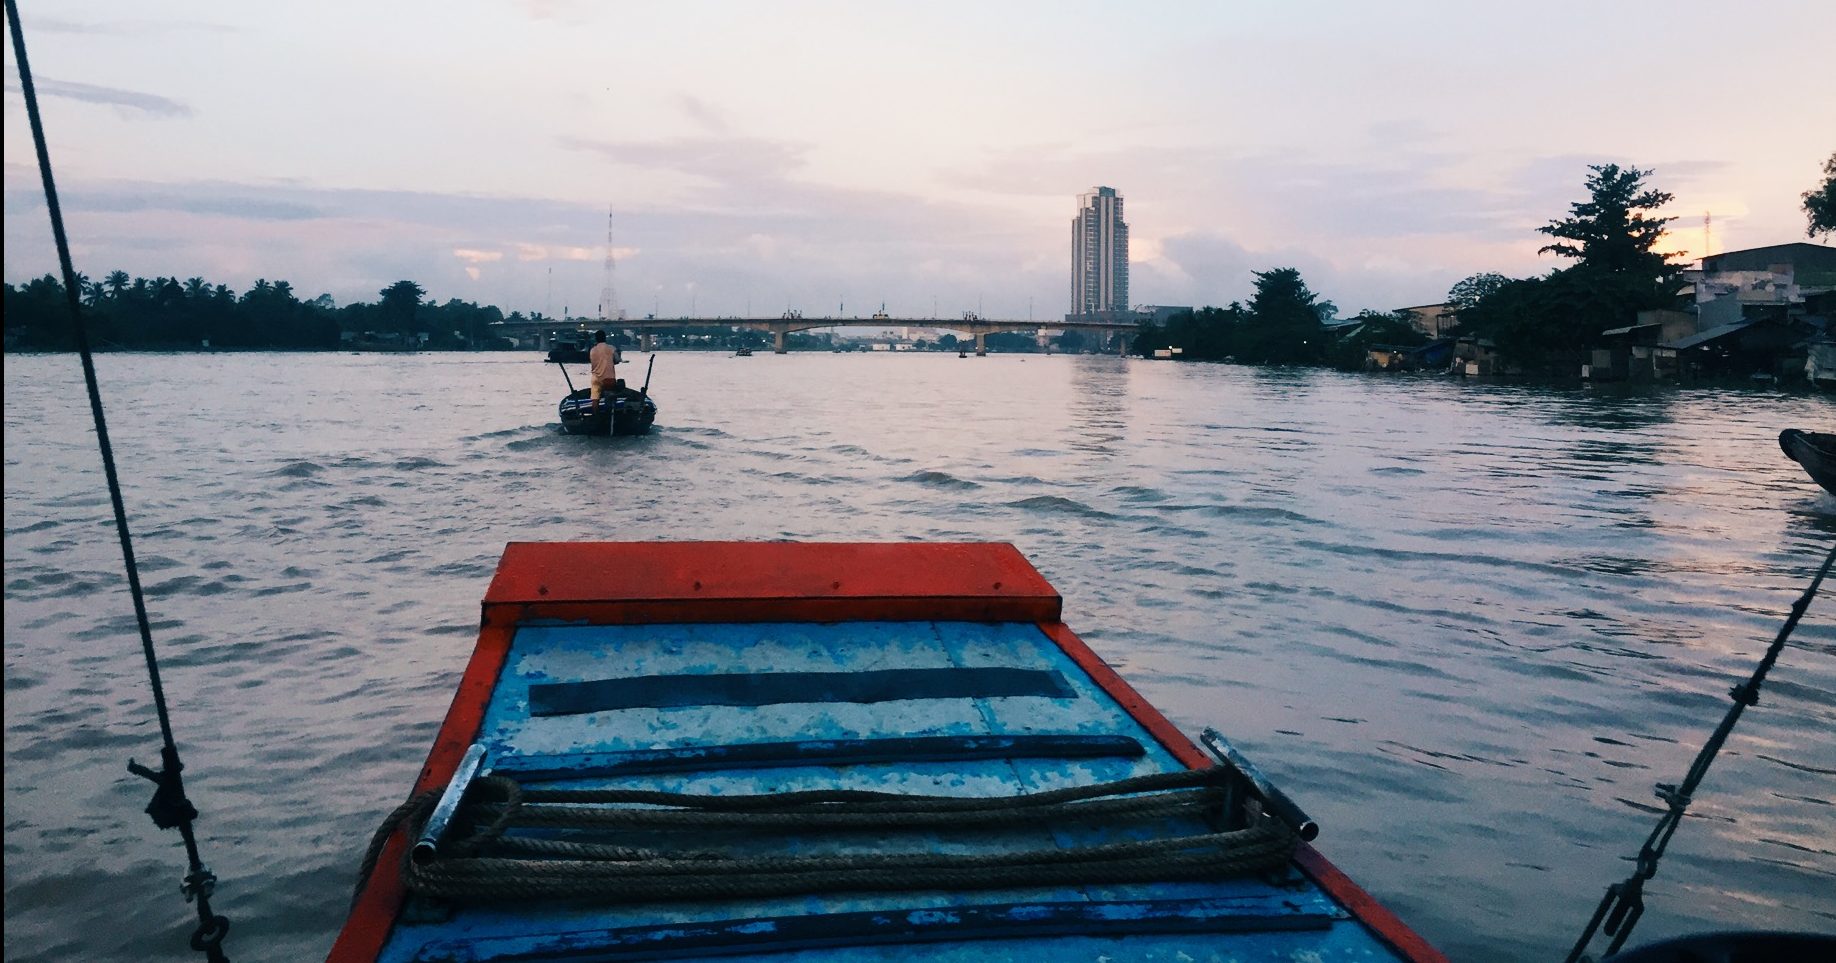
pixel 1099 255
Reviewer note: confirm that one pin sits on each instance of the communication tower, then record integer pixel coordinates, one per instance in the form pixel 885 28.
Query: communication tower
pixel 608 294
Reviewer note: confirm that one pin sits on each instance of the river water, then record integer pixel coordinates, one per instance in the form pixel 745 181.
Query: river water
pixel 1466 624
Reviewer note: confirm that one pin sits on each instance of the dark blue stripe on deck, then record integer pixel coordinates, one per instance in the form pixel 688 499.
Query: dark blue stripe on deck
pixel 941 924
pixel 816 752
pixel 771 688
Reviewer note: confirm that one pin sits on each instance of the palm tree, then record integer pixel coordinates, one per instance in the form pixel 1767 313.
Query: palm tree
pixel 83 287
pixel 196 288
pixel 283 290
pixel 117 283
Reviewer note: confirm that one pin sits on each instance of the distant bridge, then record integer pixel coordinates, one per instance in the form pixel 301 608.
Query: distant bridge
pixel 543 333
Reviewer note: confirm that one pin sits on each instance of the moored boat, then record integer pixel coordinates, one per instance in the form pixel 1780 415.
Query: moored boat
pixel 1816 451
pixel 841 751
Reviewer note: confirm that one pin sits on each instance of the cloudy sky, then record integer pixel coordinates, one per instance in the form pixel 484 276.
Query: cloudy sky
pixel 822 156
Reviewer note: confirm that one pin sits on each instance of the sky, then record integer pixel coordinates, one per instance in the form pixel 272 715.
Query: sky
pixel 834 157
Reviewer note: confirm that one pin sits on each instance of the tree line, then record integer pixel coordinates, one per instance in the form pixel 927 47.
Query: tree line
pixel 1284 322
pixel 1544 322
pixel 165 313
pixel 1539 323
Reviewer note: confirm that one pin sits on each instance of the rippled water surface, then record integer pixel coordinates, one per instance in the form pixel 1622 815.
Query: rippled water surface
pixel 1466 625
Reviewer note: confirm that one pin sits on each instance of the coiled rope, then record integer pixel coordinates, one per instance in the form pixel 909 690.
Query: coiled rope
pixel 169 808
pixel 491 863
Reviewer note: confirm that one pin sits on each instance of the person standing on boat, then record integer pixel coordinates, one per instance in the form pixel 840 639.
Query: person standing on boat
pixel 604 359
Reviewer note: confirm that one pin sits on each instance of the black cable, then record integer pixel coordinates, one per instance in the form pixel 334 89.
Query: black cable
pixel 1624 902
pixel 169 808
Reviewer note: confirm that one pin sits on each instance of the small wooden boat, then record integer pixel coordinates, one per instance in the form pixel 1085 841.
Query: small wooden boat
pixel 743 353
pixel 1816 451
pixel 843 752
pixel 621 411
pixel 624 411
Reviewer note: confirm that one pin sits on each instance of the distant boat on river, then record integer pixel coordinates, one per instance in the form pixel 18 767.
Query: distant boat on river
pixel 571 348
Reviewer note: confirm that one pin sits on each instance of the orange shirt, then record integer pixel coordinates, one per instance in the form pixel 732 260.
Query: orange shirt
pixel 601 357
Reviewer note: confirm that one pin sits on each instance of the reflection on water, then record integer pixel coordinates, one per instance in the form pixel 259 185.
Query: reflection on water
pixel 1466 624
pixel 1099 402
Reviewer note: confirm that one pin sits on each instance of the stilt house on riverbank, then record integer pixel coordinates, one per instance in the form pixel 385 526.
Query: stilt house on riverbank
pixel 1764 311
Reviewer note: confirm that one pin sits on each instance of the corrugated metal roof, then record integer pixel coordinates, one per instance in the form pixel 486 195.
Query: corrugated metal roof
pixel 1704 337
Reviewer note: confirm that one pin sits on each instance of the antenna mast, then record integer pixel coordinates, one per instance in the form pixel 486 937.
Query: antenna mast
pixel 608 295
pixel 1708 239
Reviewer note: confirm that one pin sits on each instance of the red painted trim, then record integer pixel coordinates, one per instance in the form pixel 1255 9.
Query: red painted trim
pixel 1390 928
pixel 1361 904
pixel 1125 695
pixel 634 582
pixel 915 609
pixel 373 916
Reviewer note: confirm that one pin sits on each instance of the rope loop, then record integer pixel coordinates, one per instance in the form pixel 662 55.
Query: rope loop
pixel 412 813
pixel 1630 907
pixel 512 806
pixel 208 937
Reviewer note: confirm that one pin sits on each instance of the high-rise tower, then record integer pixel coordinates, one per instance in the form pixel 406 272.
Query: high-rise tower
pixel 1099 254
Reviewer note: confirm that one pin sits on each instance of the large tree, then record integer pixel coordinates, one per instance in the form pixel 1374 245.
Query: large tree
pixel 400 301
pixel 1545 322
pixel 1469 291
pixel 1284 323
pixel 1617 272
pixel 1820 204
pixel 1613 231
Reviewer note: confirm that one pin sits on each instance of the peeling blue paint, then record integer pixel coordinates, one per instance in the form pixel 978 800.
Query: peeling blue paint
pixel 1242 918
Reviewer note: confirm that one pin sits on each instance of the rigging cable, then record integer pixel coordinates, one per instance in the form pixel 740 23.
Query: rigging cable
pixel 1624 902
pixel 169 808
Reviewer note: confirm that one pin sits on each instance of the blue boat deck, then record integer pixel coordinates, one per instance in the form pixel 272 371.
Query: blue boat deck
pixel 938 675
pixel 547 730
